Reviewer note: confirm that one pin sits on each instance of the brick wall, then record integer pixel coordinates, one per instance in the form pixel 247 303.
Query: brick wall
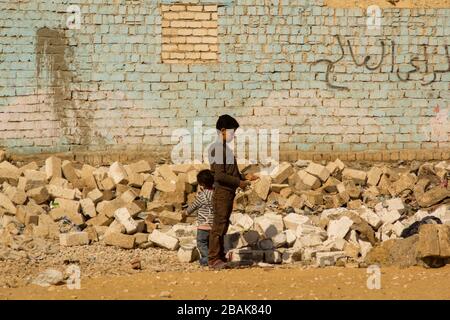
pixel 115 83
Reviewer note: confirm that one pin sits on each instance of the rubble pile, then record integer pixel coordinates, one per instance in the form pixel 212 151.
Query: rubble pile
pixel 319 214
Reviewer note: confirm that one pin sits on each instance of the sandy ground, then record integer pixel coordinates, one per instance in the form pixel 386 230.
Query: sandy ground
pixel 386 4
pixel 253 283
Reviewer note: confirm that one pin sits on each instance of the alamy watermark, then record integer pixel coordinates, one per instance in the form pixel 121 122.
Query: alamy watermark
pixel 250 146
pixel 374 278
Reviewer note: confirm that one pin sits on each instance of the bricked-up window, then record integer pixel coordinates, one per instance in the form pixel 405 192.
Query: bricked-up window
pixel 189 33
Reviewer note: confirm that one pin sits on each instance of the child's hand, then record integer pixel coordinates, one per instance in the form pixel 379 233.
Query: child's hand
pixel 251 177
pixel 243 184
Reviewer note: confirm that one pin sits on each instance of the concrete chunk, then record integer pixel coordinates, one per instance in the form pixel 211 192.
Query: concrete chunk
pixel 293 220
pixel 53 168
pixel 187 254
pixel 358 176
pixel 117 173
pixel 88 207
pixel 318 170
pixel 7 204
pixel 120 240
pixel 339 228
pixel 73 239
pixel 123 216
pixel 281 173
pixel 309 180
pixel 147 190
pixel 374 176
pixel 163 240
pixel 262 187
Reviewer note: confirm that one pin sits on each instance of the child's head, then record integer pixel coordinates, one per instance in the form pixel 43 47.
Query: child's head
pixel 205 179
pixel 227 125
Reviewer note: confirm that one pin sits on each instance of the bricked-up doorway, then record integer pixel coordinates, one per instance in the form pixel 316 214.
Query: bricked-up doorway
pixel 189 33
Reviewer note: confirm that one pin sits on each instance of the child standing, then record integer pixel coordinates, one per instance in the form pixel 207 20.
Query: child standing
pixel 203 203
pixel 227 179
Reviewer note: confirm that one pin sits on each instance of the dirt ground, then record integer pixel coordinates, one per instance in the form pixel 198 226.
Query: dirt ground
pixel 386 4
pixel 252 283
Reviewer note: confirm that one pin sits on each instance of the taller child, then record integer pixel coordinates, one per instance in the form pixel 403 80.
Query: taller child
pixel 227 179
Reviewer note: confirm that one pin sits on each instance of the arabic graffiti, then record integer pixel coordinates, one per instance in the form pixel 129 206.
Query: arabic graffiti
pixel 403 76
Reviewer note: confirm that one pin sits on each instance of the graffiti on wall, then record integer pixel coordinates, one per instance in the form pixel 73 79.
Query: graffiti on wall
pixel 416 63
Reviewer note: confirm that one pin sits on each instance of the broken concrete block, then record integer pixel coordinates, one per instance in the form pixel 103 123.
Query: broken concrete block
pixel 95 195
pixel 272 256
pixel 395 204
pixel 276 219
pixel 318 170
pixel 128 196
pixel 339 164
pixel 60 192
pixel 358 176
pixel 123 216
pixel 309 180
pixel 294 201
pixel 397 228
pixel 373 176
pixel 165 171
pixel 265 227
pixel 324 259
pixel 169 217
pixel 69 171
pixel 163 240
pixel 334 244
pixel 7 204
pixel 281 173
pixel 187 254
pixel 247 238
pixel 433 196
pixel 141 166
pixel 406 181
pixel 434 241
pixel 371 217
pixel 313 198
pixel 293 220
pixel 163 185
pixel 279 240
pixel 16 195
pixel 330 185
pixel 354 204
pixel 365 247
pixel 290 237
pixel 332 167
pixel 70 206
pixel 117 173
pixel 245 222
pixel 39 195
pixel 147 190
pixel 88 207
pixel 339 228
pixel 87 176
pixel 309 240
pixel 192 177
pixel 53 168
pixel 262 187
pixel 73 239
pixel 241 255
pixel 389 216
pixel 100 220
pixel 120 240
pixel 286 192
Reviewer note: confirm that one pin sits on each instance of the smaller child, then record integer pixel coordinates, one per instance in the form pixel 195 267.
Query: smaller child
pixel 203 203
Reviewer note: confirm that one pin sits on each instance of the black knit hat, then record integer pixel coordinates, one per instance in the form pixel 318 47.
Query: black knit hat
pixel 226 122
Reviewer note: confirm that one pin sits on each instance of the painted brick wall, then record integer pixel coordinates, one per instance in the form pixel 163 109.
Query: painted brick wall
pixel 279 65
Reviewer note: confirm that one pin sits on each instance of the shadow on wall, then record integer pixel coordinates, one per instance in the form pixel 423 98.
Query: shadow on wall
pixel 54 76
